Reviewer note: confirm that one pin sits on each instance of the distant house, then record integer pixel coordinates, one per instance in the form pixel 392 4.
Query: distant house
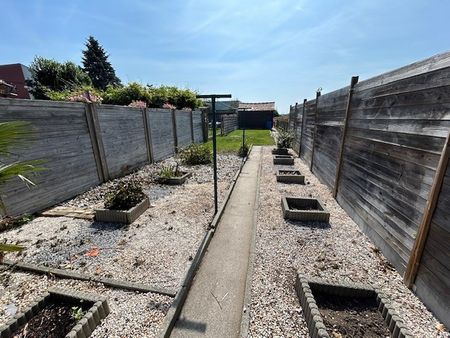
pixel 224 107
pixel 256 115
pixel 16 75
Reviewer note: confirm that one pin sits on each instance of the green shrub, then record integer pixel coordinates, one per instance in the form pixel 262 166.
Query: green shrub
pixel 243 150
pixel 125 196
pixel 285 139
pixel 196 154
pixel 169 171
pixel 123 96
pixel 155 97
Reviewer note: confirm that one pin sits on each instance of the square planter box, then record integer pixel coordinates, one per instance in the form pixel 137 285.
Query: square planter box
pixel 290 176
pixel 174 180
pixel 304 209
pixel 280 151
pixel 96 309
pixel 122 216
pixel 309 289
pixel 283 159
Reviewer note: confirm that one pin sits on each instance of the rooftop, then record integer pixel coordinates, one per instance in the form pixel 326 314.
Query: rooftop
pixel 257 106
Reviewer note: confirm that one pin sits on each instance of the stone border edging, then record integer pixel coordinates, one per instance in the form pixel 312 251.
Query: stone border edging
pixel 114 283
pixel 177 305
pixel 314 319
pixel 82 329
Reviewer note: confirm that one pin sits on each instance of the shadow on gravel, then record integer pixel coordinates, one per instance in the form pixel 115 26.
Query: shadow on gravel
pixel 103 226
pixel 312 225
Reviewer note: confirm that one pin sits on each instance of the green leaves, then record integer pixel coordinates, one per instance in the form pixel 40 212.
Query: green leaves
pixel 10 248
pixel 196 154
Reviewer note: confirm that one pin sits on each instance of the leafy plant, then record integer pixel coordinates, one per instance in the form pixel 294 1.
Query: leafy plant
pixel 284 139
pixel 169 171
pixel 196 154
pixel 8 222
pixel 125 196
pixel 51 75
pixel 243 150
pixel 77 313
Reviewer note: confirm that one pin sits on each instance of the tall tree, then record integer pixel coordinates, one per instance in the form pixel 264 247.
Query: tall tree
pixel 97 66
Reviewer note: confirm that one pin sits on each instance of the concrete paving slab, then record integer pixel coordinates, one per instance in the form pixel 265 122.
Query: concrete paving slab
pixel 214 305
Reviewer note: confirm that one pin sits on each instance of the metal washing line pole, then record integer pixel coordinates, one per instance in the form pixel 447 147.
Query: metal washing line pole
pixel 213 98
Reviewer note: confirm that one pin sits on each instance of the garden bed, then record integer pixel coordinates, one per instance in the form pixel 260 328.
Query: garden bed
pixel 283 159
pixel 290 176
pixel 156 249
pixel 304 209
pixel 132 314
pixel 340 253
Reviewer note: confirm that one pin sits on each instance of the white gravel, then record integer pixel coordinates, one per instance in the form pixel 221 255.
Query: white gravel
pixel 132 314
pixel 156 249
pixel 338 253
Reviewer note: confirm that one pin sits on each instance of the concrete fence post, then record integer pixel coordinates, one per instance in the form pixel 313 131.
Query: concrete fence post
pixel 96 141
pixel 148 137
pixel 192 127
pixel 174 127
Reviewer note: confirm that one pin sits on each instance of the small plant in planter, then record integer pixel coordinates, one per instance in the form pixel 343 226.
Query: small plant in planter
pixel 243 150
pixel 170 174
pixel 196 154
pixel 123 205
pixel 284 142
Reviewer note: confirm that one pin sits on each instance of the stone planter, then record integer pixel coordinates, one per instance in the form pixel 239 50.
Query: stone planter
pixel 280 151
pixel 174 180
pixel 283 159
pixel 304 209
pixel 122 216
pixel 97 310
pixel 306 290
pixel 290 176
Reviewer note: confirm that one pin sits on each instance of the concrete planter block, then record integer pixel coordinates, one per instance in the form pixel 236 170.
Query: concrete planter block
pixel 122 216
pixel 290 176
pixel 315 321
pixel 280 151
pixel 304 209
pixel 174 180
pixel 283 159
pixel 83 328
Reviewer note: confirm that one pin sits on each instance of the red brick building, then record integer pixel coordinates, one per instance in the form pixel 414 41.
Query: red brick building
pixel 16 74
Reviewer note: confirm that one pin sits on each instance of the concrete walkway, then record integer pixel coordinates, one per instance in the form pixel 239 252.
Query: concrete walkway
pixel 214 305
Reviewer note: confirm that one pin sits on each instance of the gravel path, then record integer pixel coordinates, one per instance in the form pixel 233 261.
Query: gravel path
pixel 338 253
pixel 156 249
pixel 132 314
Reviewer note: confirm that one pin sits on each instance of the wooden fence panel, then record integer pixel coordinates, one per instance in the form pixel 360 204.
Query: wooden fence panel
pixel 123 136
pixel 330 120
pixel 390 157
pixel 433 277
pixel 308 131
pixel 61 138
pixel 161 129
pixel 229 123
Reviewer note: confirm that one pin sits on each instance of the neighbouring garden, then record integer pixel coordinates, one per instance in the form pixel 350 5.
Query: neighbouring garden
pixel 233 141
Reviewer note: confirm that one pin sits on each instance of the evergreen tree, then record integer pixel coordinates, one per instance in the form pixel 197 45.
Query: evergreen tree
pixel 97 66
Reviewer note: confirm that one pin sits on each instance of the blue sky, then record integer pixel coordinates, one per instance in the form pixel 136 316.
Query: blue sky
pixel 256 50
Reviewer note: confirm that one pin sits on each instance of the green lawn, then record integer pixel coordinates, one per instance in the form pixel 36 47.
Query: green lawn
pixel 233 141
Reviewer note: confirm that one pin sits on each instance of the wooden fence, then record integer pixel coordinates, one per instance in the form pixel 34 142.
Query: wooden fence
pixel 84 145
pixel 380 146
pixel 229 123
